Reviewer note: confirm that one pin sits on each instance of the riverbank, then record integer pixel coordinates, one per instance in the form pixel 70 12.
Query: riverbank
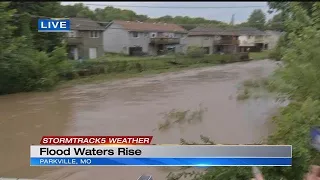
pixel 113 67
pixel 125 75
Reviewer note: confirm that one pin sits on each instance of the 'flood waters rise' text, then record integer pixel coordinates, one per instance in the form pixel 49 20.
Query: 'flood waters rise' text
pixel 90 152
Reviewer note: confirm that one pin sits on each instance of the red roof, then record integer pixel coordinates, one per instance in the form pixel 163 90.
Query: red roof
pixel 147 26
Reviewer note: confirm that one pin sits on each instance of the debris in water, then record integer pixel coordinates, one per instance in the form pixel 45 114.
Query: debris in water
pixel 182 117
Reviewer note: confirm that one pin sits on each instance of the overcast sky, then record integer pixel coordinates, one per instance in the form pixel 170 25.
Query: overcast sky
pixel 221 14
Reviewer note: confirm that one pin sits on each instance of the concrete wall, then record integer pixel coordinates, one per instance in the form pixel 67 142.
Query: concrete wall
pixel 88 42
pixel 115 39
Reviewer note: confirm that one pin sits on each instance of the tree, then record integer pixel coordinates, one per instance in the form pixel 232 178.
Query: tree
pixel 110 13
pixel 77 10
pixel 283 6
pixel 41 41
pixel 22 66
pixel 257 19
pixel 276 23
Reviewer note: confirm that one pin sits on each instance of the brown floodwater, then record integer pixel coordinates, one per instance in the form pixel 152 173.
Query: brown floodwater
pixel 133 107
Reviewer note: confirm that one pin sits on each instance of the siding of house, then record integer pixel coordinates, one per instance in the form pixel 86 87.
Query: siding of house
pixel 180 47
pixel 200 41
pixel 142 41
pixel 246 41
pixel 115 39
pixel 118 37
pixel 84 43
pixel 91 43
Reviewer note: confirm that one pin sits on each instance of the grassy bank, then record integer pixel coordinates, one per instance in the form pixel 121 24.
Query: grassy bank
pixel 259 55
pixel 118 76
pixel 119 67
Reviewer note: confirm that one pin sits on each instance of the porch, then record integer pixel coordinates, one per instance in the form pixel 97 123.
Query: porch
pixel 160 46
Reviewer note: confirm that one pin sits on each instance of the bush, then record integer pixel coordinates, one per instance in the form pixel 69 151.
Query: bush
pixel 195 52
pixel 25 69
pixel 276 52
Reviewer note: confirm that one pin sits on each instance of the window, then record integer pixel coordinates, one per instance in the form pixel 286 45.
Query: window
pixel 153 35
pixel 94 34
pixel 171 35
pixel 135 34
pixel 72 34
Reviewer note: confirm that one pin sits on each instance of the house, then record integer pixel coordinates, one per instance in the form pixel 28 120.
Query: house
pixel 252 39
pixel 212 40
pixel 273 38
pixel 137 38
pixel 85 40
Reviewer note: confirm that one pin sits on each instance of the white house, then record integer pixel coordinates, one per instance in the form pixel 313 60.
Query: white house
pixel 136 38
pixel 252 39
pixel 273 38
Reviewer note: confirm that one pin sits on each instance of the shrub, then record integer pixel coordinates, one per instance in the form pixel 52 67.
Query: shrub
pixel 195 52
pixel 276 52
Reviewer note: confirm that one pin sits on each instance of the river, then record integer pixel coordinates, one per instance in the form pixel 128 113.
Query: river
pixel 133 107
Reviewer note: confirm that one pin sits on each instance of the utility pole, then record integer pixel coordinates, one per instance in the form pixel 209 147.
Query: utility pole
pixel 233 34
pixel 232 20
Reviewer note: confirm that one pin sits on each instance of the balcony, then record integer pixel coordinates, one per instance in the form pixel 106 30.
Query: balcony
pixel 164 40
pixel 74 40
pixel 227 42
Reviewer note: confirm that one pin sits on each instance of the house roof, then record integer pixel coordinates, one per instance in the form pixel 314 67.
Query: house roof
pixel 147 26
pixel 269 32
pixel 211 31
pixel 250 31
pixel 85 24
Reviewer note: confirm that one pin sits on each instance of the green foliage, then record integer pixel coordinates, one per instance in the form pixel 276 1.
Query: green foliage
pixel 195 52
pixel 259 55
pixel 129 64
pixel 110 13
pixel 27 25
pixel 77 10
pixel 276 23
pixel 23 68
pixel 257 19
pixel 277 52
pixel 181 117
pixel 295 121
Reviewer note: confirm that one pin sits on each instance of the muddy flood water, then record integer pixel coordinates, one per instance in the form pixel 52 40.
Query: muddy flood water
pixel 133 107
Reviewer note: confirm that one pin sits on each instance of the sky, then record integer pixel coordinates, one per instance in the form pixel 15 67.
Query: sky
pixel 220 14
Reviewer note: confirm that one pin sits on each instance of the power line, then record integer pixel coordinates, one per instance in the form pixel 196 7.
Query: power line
pixel 108 22
pixel 240 31
pixel 180 7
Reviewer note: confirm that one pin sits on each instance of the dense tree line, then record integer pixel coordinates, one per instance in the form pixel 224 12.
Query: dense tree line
pixel 257 19
pixel 110 13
